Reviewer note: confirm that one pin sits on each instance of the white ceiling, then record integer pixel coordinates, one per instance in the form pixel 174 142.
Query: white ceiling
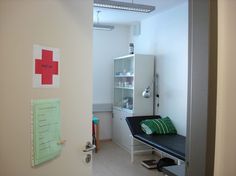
pixel 110 16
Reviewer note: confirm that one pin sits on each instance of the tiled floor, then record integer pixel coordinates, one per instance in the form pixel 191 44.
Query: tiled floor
pixel 111 160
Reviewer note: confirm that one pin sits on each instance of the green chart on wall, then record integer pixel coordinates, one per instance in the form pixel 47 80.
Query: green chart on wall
pixel 46 130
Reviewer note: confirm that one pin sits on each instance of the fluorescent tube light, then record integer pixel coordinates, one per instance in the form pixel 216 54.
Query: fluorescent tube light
pixel 123 6
pixel 98 26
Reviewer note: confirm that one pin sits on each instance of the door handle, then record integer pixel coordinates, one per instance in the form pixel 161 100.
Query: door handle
pixel 89 147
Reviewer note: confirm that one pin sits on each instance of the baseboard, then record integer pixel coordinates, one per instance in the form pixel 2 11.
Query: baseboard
pixel 105 140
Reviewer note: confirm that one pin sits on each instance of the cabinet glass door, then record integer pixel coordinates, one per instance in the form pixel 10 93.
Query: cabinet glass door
pixel 124 82
pixel 127 99
pixel 118 94
pixel 124 67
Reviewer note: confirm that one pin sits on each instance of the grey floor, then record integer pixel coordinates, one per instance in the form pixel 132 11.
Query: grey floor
pixel 111 160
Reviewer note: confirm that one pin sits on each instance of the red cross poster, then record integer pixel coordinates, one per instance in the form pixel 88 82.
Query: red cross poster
pixel 45 67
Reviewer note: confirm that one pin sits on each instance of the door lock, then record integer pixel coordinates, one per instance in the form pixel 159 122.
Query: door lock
pixel 88 158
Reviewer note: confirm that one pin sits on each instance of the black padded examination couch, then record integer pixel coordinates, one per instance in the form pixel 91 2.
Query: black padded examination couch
pixel 174 145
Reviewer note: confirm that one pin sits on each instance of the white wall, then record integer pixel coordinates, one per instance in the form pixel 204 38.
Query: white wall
pixel 166 36
pixel 62 24
pixel 106 46
pixel 226 97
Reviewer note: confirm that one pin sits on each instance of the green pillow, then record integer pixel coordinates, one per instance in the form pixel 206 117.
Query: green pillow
pixel 158 126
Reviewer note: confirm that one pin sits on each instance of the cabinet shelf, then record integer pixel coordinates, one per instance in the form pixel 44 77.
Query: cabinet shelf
pixel 117 108
pixel 130 88
pixel 123 76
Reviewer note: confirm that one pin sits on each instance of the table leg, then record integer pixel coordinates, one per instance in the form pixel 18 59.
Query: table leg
pixel 97 136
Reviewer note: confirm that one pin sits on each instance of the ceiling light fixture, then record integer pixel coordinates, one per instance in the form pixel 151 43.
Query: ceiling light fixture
pixel 99 26
pixel 118 5
pixel 104 27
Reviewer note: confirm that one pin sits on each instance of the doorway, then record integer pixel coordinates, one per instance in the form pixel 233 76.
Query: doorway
pixel 153 35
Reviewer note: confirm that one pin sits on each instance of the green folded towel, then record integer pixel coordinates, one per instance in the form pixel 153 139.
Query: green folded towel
pixel 95 120
pixel 158 126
